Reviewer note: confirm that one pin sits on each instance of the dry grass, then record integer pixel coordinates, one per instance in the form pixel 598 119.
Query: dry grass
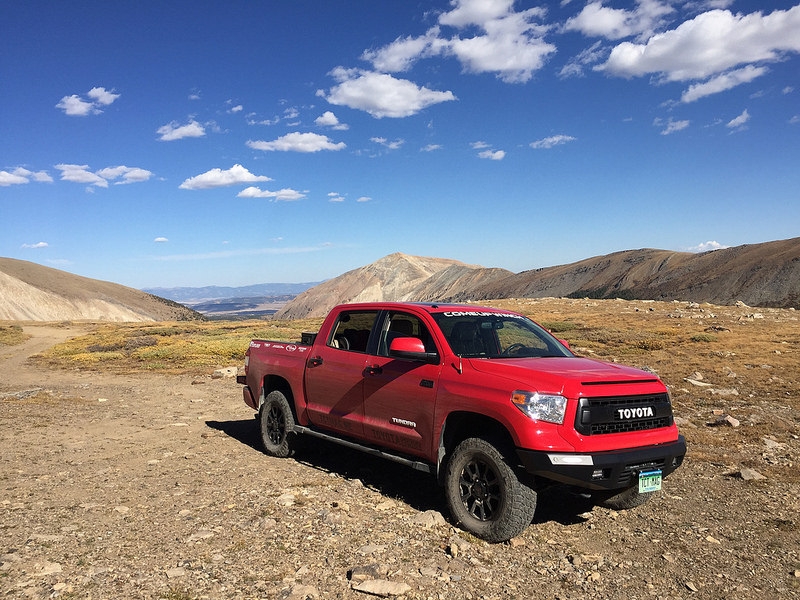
pixel 11 335
pixel 179 347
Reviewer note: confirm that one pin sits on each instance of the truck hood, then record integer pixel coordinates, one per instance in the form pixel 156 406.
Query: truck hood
pixel 556 374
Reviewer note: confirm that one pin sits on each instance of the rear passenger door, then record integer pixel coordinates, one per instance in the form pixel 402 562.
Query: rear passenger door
pixel 399 394
pixel 335 374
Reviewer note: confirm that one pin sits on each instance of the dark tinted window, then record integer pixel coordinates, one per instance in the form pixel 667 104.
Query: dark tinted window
pixel 352 330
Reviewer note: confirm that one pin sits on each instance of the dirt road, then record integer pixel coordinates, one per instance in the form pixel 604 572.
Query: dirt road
pixel 151 486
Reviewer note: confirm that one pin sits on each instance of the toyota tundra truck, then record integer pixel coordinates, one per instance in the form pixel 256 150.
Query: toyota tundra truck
pixel 484 399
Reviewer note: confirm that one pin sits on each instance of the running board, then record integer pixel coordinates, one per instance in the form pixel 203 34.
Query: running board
pixel 417 465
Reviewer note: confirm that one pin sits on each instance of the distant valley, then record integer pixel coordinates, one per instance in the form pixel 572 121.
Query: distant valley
pixel 245 302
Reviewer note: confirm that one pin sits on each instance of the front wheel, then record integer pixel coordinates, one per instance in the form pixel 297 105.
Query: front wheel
pixel 484 494
pixel 277 424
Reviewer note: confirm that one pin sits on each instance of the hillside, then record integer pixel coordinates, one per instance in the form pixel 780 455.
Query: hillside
pixel 765 275
pixel 394 277
pixel 31 292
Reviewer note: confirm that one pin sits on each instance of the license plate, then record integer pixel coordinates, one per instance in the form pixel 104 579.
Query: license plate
pixel 649 481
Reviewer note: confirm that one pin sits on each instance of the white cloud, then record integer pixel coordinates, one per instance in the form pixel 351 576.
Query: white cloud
pixel 597 20
pixel 493 154
pixel 554 140
pixel 102 96
pixel 21 175
pixel 285 195
pixel 711 43
pixel 401 54
pixel 497 40
pixel 297 142
pixel 41 177
pixel 431 148
pixel 75 106
pixel 363 199
pixel 335 197
pixel 740 121
pixel 328 119
pixel 476 12
pixel 35 246
pixel 216 177
pixel 381 95
pixel 127 174
pixel 174 131
pixel 479 145
pixel 671 126
pixel 511 45
pixel 723 82
pixel 706 247
pixel 161 240
pixel 82 174
pixel 387 144
pixel 590 56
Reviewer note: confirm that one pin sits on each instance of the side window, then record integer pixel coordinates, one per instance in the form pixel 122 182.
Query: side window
pixel 404 325
pixel 352 330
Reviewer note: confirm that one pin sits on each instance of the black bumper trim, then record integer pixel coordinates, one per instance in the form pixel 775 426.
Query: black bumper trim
pixel 619 468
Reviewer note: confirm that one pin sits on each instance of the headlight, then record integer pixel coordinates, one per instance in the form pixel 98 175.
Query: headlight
pixel 541 407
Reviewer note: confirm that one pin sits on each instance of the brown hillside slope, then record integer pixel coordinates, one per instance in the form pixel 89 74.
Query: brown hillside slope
pixel 31 292
pixel 394 277
pixel 765 274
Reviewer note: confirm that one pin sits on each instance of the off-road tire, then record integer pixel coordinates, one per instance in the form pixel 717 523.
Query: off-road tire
pixel 484 494
pixel 626 499
pixel 276 422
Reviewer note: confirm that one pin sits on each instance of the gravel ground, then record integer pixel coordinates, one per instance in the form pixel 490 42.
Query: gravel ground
pixel 152 486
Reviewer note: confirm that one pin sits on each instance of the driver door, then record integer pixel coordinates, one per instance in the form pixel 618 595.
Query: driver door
pixel 400 394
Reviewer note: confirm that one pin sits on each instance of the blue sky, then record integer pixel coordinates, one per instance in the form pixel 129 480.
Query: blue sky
pixel 209 143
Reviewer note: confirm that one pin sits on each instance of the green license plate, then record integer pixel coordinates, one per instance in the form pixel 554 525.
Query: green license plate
pixel 649 481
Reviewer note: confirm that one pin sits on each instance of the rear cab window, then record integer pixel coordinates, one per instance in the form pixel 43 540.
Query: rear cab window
pixel 352 330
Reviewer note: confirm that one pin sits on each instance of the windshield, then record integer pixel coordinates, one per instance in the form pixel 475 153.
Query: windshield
pixel 497 335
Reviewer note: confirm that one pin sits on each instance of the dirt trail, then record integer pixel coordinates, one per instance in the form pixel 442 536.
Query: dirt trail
pixel 42 337
pixel 154 486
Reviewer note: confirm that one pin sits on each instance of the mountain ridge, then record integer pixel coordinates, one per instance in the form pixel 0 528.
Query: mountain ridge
pixel 765 274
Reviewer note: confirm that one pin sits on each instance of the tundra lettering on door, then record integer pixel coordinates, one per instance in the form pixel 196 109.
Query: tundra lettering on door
pixel 485 400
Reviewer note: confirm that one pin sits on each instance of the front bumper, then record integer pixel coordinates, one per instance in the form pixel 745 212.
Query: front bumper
pixel 616 469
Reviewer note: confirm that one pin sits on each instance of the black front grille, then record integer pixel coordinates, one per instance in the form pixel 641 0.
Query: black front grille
pixel 621 414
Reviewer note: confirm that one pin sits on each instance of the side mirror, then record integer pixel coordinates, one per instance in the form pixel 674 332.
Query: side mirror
pixel 565 343
pixel 411 348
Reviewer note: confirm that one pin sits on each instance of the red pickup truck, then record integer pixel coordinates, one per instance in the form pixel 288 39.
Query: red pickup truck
pixel 485 399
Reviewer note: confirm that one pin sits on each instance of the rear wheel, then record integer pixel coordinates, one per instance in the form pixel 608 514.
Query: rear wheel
pixel 277 424
pixel 484 494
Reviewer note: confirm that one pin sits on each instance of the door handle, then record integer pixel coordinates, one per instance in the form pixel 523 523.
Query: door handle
pixel 315 361
pixel 373 370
